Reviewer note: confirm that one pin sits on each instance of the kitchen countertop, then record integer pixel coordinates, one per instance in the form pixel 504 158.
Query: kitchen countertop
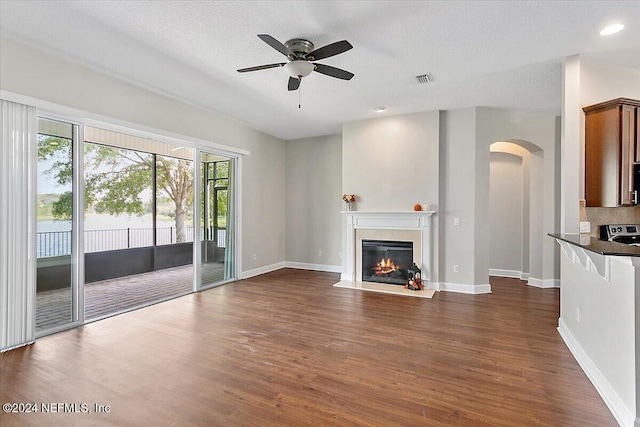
pixel 602 247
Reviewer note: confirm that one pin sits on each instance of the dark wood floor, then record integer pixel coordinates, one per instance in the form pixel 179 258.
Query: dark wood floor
pixel 287 348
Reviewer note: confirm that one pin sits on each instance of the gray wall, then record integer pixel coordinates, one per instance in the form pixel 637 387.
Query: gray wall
pixel 536 132
pixel 457 173
pixel 466 136
pixel 26 71
pixel 506 204
pixel 392 163
pixel 313 202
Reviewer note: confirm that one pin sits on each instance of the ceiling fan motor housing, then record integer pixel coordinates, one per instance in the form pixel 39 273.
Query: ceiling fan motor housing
pixel 299 48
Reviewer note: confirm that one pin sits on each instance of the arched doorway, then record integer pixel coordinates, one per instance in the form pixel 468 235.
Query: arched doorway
pixel 516 209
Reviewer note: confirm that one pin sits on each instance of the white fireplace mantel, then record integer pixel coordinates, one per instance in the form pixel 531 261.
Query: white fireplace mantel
pixel 392 220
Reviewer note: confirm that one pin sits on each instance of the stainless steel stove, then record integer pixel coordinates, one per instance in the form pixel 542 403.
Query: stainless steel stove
pixel 628 234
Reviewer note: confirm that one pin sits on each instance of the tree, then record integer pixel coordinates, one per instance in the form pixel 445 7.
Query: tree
pixel 58 151
pixel 117 180
pixel 176 180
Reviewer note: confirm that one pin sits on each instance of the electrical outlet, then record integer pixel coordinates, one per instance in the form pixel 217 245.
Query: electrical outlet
pixel 456 268
pixel 319 253
pixel 456 221
pixel 577 314
pixel 585 227
pixel 255 257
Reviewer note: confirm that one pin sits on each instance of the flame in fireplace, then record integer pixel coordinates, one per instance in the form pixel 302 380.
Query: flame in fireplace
pixel 385 266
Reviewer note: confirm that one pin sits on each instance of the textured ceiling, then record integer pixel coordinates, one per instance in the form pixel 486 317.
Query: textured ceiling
pixel 479 53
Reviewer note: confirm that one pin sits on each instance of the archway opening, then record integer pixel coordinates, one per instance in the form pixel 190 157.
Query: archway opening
pixel 515 210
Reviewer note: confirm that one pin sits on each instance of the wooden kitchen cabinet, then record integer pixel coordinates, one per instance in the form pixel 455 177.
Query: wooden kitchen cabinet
pixel 612 129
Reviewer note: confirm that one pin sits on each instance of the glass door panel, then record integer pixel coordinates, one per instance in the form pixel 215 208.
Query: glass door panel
pixel 217 245
pixel 138 222
pixel 56 292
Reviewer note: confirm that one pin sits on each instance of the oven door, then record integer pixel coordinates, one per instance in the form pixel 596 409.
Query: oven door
pixel 627 240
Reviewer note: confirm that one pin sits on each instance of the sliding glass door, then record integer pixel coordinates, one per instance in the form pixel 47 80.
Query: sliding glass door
pixel 117 224
pixel 217 223
pixel 58 300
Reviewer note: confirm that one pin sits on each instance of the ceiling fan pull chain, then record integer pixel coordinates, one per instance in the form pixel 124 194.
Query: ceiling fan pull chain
pixel 299 90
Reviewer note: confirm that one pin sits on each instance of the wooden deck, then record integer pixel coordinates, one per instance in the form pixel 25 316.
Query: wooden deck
pixel 115 295
pixel 289 349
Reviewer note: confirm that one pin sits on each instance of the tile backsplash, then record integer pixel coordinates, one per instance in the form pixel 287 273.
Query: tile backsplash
pixel 602 216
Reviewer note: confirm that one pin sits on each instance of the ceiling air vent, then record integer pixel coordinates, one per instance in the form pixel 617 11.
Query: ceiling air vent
pixel 424 78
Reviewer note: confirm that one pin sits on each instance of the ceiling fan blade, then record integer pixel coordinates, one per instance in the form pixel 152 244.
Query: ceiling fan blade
pixel 274 44
pixel 333 72
pixel 260 67
pixel 330 50
pixel 294 83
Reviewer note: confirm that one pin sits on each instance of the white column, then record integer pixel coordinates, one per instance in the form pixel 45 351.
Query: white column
pixel 571 163
pixel 349 256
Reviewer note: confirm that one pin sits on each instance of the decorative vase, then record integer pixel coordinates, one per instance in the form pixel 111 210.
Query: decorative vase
pixel 348 205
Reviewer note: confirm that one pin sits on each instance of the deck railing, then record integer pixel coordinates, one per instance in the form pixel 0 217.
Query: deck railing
pixel 58 243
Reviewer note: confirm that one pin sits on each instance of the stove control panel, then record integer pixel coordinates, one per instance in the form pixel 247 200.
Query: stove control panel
pixel 607 232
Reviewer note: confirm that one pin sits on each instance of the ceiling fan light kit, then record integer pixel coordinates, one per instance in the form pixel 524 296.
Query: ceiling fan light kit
pixel 299 68
pixel 301 53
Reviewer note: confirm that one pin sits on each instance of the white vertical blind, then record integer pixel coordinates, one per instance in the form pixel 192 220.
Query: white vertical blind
pixel 18 163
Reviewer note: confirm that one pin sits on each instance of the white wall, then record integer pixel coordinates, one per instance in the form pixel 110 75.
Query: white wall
pixel 598 323
pixel 506 204
pixel 571 184
pixel 26 71
pixel 601 82
pixel 313 202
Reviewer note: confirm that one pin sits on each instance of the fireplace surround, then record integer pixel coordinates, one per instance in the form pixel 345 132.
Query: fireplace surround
pixel 405 226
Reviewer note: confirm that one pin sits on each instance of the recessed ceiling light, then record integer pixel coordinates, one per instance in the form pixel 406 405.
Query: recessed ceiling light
pixel 611 29
pixel 379 109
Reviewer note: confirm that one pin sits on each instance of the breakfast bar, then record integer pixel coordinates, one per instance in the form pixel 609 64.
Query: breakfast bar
pixel 600 314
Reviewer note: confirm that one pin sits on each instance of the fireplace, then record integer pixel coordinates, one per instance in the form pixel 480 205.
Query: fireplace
pixel 386 261
pixel 405 226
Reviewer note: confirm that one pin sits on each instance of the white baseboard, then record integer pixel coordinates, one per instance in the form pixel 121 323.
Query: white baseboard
pixel 262 270
pixel 316 267
pixel 465 288
pixel 621 413
pixel 531 281
pixel 514 274
pixel 544 283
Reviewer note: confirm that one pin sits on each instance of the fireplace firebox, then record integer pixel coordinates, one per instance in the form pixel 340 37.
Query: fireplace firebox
pixel 386 261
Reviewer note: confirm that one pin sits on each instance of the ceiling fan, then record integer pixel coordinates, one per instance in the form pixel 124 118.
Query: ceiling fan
pixel 301 53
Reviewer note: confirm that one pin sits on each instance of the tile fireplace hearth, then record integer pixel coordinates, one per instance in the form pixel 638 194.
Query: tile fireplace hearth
pixel 412 228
